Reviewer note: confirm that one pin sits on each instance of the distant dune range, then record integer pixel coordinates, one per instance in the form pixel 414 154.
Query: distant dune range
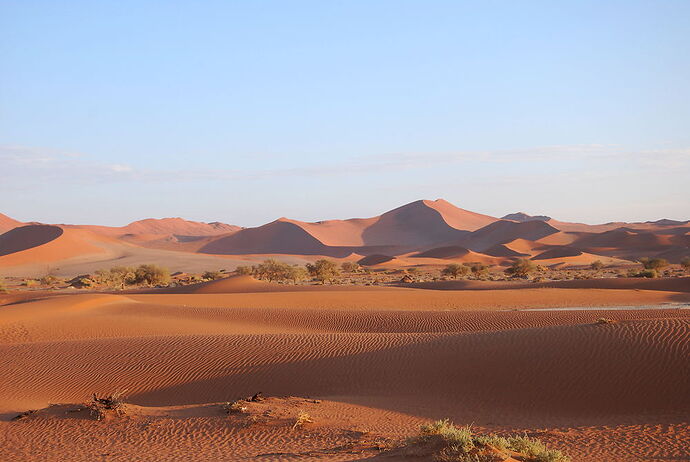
pixel 422 232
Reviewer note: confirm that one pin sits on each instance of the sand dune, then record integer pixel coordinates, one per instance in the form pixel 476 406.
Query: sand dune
pixel 7 223
pixel 164 226
pixel 503 231
pixel 422 229
pixel 379 372
pixel 43 244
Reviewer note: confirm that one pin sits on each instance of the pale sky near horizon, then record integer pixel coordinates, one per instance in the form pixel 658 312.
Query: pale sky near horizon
pixel 242 112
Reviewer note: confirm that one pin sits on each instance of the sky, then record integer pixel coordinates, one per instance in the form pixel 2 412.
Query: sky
pixel 245 111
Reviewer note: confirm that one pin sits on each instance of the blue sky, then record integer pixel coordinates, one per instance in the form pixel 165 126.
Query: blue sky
pixel 245 111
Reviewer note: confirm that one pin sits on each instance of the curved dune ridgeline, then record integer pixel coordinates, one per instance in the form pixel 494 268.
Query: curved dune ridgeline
pixel 27 237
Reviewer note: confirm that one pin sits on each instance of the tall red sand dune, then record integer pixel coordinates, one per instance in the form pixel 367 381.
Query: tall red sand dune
pixel 423 223
pixel 504 231
pixel 7 223
pixel 27 237
pixel 453 251
pixel 41 244
pixel 163 226
pixel 278 237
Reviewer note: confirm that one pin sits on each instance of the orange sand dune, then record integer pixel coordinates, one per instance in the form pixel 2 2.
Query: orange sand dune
pixel 7 223
pixel 504 231
pixel 44 244
pixel 378 372
pixel 164 226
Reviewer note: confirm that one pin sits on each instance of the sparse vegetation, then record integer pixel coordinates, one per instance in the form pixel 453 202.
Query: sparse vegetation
pixel 645 273
pixel 479 270
pixel 110 404
pixel 454 270
pixel 3 288
pixel 302 418
pixel 351 267
pixel 244 270
pixel 152 275
pixel 235 407
pixel 597 265
pixel 605 321
pixel 522 267
pixel 274 270
pixel 453 443
pixel 49 280
pixel 685 264
pixel 323 270
pixel 655 264
pixel 211 275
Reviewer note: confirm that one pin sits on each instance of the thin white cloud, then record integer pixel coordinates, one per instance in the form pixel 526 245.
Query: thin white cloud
pixel 24 165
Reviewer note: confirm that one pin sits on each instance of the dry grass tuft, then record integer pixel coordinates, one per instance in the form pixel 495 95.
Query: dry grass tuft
pixel 302 418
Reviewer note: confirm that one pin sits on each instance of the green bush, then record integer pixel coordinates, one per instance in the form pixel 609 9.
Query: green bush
pixel 653 263
pixel 460 444
pixel 596 265
pixel 152 275
pixel 685 263
pixel 479 269
pixel 323 270
pixel 454 270
pixel 521 267
pixel 646 273
pixel 351 267
pixel 211 275
pixel 245 270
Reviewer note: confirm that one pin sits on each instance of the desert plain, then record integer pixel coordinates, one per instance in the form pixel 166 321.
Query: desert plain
pixel 588 352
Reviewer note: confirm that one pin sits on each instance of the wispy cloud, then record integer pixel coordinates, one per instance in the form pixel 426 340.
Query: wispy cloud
pixel 22 165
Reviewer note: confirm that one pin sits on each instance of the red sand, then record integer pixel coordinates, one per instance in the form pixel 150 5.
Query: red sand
pixel 382 360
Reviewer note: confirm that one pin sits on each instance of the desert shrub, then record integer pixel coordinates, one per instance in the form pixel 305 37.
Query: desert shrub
pixel 30 283
pixel 479 269
pixel 605 321
pixel 152 275
pixel 653 263
pixel 49 280
pixel 596 265
pixel 351 267
pixel 3 288
pixel 113 403
pixel 535 449
pixel 297 273
pixel 685 263
pixel 211 275
pixel 454 270
pixel 645 273
pixel 413 270
pixel 521 267
pixel 460 444
pixel 302 418
pixel 245 270
pixel 235 407
pixel 323 270
pixel 117 276
pixel 272 270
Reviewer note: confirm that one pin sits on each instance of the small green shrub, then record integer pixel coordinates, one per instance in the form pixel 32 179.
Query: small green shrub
pixel 351 267
pixel 597 265
pixel 152 275
pixel 323 270
pixel 454 270
pixel 521 267
pixel 653 263
pixel 211 275
pixel 685 263
pixel 460 444
pixel 244 270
